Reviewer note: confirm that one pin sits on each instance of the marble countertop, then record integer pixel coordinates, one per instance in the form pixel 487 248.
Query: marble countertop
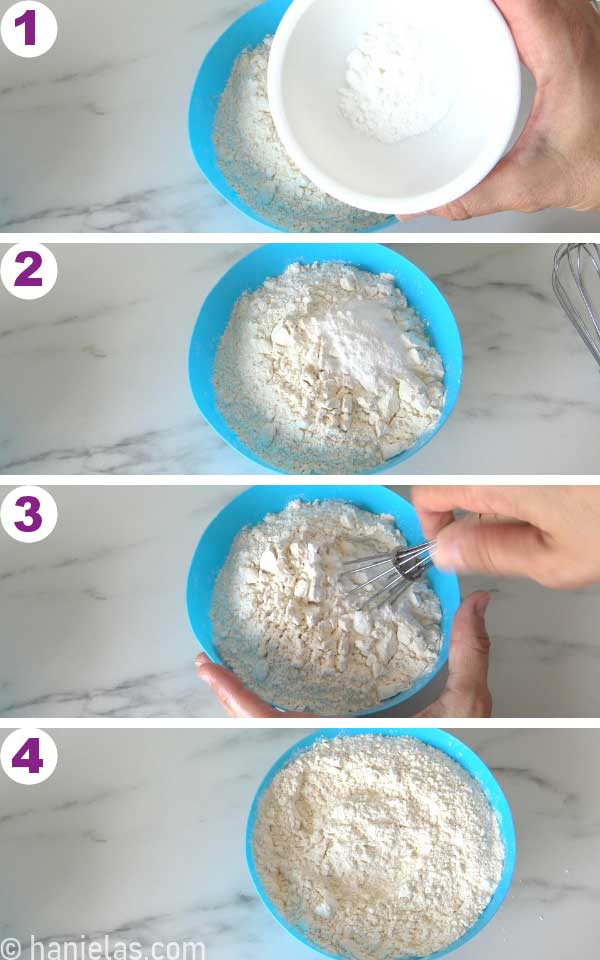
pixel 93 378
pixel 94 621
pixel 94 134
pixel 152 850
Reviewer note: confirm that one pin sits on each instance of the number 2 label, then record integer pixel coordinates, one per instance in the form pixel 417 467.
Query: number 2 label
pixel 34 260
pixel 29 271
pixel 29 756
pixel 29 29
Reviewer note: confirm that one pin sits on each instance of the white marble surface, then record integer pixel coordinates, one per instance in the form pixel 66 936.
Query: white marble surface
pixel 94 621
pixel 139 835
pixel 94 134
pixel 93 378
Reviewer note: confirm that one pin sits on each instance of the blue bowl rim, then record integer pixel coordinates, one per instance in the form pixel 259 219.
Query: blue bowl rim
pixel 319 492
pixel 231 196
pixel 239 446
pixel 447 743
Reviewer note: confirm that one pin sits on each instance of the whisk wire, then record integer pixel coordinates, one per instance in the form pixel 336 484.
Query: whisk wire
pixel 403 568
pixel 569 282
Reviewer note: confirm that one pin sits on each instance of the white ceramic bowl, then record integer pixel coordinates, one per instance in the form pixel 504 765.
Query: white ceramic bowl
pixel 308 67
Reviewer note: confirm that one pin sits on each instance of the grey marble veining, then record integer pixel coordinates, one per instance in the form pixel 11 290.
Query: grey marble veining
pixel 139 835
pixel 94 621
pixel 93 378
pixel 94 134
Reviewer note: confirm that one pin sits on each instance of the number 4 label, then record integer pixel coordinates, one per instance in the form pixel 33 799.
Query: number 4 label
pixel 29 756
pixel 29 29
pixel 29 271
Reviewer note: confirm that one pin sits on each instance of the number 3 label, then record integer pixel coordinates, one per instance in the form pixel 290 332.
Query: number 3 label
pixel 29 514
pixel 29 29
pixel 29 756
pixel 29 271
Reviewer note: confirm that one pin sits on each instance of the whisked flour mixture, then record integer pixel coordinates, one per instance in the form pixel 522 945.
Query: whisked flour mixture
pixel 254 161
pixel 378 847
pixel 326 369
pixel 283 623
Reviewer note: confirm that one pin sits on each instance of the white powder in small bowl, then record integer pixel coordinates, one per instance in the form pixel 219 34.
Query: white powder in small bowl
pixel 398 82
pixel 377 847
pixel 284 623
pixel 326 369
pixel 254 161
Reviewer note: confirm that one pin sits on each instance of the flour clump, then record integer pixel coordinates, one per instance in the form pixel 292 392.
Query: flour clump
pixel 254 161
pixel 398 84
pixel 377 847
pixel 326 369
pixel 284 623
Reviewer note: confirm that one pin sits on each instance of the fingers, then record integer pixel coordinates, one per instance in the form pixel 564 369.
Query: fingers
pixel 502 549
pixel 231 693
pixel 466 693
pixel 435 505
pixel 530 177
pixel 237 701
pixel 544 31
pixel 558 42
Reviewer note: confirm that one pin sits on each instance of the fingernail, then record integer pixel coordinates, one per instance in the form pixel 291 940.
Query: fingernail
pixel 202 660
pixel 481 605
pixel 208 677
pixel 448 556
pixel 408 216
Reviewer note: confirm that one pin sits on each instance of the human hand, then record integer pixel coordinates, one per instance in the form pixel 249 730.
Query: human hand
pixel 553 538
pixel 556 161
pixel 466 692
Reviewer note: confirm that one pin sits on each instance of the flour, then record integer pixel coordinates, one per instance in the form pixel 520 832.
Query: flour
pixel 254 161
pixel 325 369
pixel 398 83
pixel 282 620
pixel 378 847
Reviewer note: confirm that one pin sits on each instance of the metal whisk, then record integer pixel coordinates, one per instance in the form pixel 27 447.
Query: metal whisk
pixel 576 283
pixel 394 573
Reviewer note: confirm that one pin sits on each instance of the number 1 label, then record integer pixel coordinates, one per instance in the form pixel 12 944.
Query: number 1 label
pixel 27 21
pixel 29 29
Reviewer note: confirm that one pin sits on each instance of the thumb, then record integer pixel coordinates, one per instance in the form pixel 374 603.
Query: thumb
pixel 466 693
pixel 525 180
pixel 504 549
pixel 469 660
pixel 236 700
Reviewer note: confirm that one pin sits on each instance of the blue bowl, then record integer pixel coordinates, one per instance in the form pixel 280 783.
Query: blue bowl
pixel 247 32
pixel 272 260
pixel 248 509
pixel 449 745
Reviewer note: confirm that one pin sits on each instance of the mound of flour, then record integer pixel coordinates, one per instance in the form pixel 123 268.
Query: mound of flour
pixel 282 620
pixel 325 369
pixel 398 82
pixel 378 847
pixel 254 161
